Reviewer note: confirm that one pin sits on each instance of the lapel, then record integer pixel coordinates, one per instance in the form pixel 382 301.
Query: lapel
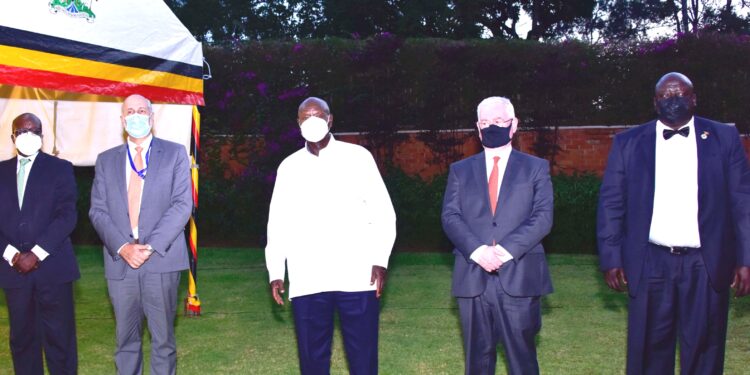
pixel 34 181
pixel 511 174
pixel 706 150
pixel 9 174
pixel 646 158
pixel 479 170
pixel 120 181
pixel 154 163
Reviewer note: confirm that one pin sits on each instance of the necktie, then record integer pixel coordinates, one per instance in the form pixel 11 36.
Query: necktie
pixel 20 180
pixel 493 185
pixel 669 133
pixel 135 186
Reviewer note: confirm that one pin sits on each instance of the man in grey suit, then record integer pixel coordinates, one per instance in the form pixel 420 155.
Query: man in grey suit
pixel 496 210
pixel 140 203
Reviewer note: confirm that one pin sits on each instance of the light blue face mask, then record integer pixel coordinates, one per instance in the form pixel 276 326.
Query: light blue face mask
pixel 137 125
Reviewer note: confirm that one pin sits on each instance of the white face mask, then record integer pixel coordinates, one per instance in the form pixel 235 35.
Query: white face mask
pixel 314 129
pixel 28 144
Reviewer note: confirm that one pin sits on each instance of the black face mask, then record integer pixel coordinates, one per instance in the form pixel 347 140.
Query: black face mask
pixel 495 136
pixel 674 110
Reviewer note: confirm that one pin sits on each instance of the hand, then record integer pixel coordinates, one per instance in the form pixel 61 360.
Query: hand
pixel 135 254
pixel 741 281
pixel 615 279
pixel 488 259
pixel 379 274
pixel 26 262
pixel 277 289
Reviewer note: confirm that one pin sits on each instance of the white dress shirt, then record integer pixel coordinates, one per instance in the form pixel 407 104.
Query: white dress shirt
pixel 489 158
pixel 11 251
pixel 674 221
pixel 330 220
pixel 131 145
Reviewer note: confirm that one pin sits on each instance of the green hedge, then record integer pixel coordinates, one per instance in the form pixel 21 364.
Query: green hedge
pixel 235 212
pixel 384 83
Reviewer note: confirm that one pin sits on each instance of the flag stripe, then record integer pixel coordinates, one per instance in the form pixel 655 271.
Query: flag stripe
pixel 24 58
pixel 51 44
pixel 59 81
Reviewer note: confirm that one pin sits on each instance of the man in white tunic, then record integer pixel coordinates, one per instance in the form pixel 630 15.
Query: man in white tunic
pixel 331 222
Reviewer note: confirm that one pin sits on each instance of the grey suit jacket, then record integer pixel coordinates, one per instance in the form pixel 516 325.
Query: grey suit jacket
pixel 522 219
pixel 166 205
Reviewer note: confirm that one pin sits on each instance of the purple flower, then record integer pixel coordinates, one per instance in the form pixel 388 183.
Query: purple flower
pixel 297 47
pixel 248 75
pixel 293 93
pixel 262 88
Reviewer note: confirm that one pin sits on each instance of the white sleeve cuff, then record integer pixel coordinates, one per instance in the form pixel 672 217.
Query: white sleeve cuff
pixel 9 253
pixel 123 245
pixel 476 253
pixel 505 256
pixel 39 252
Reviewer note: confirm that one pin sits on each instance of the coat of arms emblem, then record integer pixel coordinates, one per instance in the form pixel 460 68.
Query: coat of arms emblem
pixel 73 8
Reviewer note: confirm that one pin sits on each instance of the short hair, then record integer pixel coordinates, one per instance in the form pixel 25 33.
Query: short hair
pixel 497 101
pixel 322 103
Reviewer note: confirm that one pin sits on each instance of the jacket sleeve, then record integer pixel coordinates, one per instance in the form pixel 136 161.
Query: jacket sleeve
pixel 173 221
pixel 739 188
pixel 65 215
pixel 610 218
pixel 532 230
pixel 99 213
pixel 452 217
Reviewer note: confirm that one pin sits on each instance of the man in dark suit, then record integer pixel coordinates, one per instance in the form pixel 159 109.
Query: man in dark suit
pixel 38 202
pixel 674 228
pixel 140 202
pixel 496 210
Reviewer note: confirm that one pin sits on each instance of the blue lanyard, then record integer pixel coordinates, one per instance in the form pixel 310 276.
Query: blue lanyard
pixel 142 172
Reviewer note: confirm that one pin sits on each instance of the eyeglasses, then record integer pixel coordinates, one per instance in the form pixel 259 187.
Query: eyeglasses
pixel 18 132
pixel 496 121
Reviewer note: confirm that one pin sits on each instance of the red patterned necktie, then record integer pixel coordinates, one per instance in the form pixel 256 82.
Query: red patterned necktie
pixel 135 186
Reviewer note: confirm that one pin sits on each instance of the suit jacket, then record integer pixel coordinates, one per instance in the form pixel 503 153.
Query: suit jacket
pixel 522 219
pixel 47 218
pixel 626 201
pixel 166 205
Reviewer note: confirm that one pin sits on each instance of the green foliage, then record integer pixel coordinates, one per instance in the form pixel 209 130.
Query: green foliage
pixel 384 84
pixel 574 227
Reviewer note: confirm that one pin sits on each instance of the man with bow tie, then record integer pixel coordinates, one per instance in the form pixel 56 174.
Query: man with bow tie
pixel 674 230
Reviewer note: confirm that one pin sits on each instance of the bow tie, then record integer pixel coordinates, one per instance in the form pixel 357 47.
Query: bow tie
pixel 669 133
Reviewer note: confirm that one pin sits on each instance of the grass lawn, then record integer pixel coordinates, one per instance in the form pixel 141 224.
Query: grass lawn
pixel 242 332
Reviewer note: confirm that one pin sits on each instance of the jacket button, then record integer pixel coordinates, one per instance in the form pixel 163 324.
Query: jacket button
pixel 494 224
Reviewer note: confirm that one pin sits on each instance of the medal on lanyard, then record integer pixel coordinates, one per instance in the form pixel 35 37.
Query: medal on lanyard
pixel 142 172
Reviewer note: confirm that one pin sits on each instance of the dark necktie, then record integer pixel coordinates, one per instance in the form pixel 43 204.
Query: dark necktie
pixel 669 133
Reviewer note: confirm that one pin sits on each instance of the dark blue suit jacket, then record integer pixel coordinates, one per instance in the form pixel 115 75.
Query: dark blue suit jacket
pixel 47 219
pixel 626 201
pixel 522 219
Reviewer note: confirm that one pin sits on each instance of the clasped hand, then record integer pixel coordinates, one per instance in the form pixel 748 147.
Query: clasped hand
pixel 25 262
pixel 135 254
pixel 489 258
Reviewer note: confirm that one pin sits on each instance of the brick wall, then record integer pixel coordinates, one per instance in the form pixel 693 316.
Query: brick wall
pixel 579 149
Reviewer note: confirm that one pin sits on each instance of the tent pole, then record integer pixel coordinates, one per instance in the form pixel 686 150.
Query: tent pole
pixel 192 303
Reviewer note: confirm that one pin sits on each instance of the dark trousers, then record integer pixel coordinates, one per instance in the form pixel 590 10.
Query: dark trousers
pixel 493 318
pixel 42 318
pixel 676 298
pixel 313 321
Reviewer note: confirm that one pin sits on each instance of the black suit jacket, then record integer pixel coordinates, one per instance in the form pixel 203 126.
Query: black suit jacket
pixel 47 219
pixel 626 201
pixel 522 219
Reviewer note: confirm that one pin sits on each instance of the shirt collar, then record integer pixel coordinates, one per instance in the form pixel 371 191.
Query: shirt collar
pixel 145 144
pixel 331 143
pixel 30 157
pixel 503 152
